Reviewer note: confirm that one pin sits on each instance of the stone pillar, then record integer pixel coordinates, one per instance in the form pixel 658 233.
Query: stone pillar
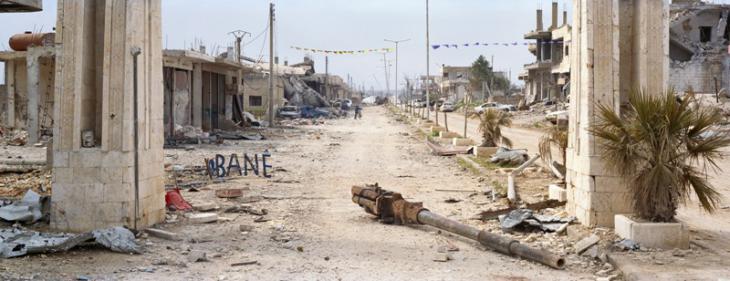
pixel 33 57
pixel 197 95
pixel 94 187
pixel 618 45
pixel 10 102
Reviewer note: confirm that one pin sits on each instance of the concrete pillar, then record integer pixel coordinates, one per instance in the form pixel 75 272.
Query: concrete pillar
pixel 94 187
pixel 618 45
pixel 554 16
pixel 10 82
pixel 197 95
pixel 539 26
pixel 33 57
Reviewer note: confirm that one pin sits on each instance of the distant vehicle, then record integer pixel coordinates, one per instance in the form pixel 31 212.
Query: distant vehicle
pixel 554 116
pixel 289 112
pixel 447 107
pixel 507 107
pixel 480 109
pixel 348 103
pixel 313 112
pixel 419 104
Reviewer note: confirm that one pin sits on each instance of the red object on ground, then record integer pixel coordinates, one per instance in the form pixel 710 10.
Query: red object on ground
pixel 175 201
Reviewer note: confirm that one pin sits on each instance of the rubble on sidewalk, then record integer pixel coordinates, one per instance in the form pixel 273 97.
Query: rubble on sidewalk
pixel 17 242
pixel 28 210
pixel 510 157
pixel 526 219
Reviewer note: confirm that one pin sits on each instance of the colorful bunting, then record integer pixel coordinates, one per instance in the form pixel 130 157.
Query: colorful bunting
pixel 330 52
pixel 506 44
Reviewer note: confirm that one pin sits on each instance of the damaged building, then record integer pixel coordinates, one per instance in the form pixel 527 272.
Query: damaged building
pixel 698 47
pixel 548 77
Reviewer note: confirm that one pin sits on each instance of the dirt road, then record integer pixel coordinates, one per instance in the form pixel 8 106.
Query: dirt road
pixel 314 231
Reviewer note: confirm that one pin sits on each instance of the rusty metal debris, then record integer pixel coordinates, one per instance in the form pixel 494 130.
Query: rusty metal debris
pixel 391 208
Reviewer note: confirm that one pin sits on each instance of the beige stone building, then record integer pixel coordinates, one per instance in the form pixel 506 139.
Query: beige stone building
pixel 548 76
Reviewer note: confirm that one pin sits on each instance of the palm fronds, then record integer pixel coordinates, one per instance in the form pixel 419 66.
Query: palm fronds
pixel 491 125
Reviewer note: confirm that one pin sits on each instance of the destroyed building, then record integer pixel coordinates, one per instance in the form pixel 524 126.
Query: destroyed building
pixel 698 47
pixel 455 82
pixel 26 98
pixel 548 76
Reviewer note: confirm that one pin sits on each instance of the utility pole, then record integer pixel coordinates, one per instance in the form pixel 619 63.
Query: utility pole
pixel 271 65
pixel 326 75
pixel 428 65
pixel 396 42
pixel 387 79
pixel 239 34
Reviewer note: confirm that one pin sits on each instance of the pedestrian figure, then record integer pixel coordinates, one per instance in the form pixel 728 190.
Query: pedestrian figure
pixel 358 112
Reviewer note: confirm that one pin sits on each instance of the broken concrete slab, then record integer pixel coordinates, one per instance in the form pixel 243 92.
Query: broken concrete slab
pixel 202 218
pixel 28 209
pixel 586 243
pixel 558 193
pixel 16 242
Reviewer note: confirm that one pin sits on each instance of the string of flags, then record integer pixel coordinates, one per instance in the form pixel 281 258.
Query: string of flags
pixel 510 44
pixel 344 52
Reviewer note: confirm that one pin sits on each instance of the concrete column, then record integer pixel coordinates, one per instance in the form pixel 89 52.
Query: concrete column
pixel 10 82
pixel 618 45
pixel 33 90
pixel 554 16
pixel 197 95
pixel 539 24
pixel 94 187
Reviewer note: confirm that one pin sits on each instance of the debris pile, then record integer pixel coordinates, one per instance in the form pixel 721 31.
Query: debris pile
pixel 17 242
pixel 526 219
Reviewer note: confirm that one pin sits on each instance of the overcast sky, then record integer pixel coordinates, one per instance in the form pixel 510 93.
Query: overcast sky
pixel 343 25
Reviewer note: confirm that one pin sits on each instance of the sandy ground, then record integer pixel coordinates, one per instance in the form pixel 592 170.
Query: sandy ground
pixel 314 231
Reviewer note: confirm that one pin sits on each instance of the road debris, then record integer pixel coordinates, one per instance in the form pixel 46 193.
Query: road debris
pixel 391 208
pixel 27 210
pixel 509 157
pixel 526 219
pixel 202 218
pixel 251 262
pixel 175 202
pixel 586 243
pixel 162 234
pixel 494 214
pixel 17 242
pixel 229 193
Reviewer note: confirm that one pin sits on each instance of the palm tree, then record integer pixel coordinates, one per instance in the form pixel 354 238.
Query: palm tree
pixel 558 136
pixel 491 125
pixel 664 149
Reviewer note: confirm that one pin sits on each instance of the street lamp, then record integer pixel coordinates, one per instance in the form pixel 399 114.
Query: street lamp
pixel 396 42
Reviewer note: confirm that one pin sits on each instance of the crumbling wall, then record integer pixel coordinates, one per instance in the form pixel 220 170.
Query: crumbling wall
pixel 181 96
pixel 698 75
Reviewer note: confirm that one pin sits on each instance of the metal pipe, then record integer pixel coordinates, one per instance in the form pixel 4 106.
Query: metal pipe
pixel 136 51
pixel 493 241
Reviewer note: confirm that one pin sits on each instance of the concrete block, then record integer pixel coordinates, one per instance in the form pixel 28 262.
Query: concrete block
pixel 653 235
pixel 437 129
pixel 448 135
pixel 462 142
pixel 556 192
pixel 586 243
pixel 202 218
pixel 484 152
pixel 442 141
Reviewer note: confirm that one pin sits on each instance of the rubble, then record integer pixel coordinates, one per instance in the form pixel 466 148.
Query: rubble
pixel 586 243
pixel 525 218
pixel 509 157
pixel 16 242
pixel 29 209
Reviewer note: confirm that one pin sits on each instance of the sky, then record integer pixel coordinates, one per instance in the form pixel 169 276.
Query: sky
pixel 343 25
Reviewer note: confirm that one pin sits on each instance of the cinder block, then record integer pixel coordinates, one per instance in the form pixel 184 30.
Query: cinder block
pixel 448 135
pixel 484 152
pixel 653 235
pixel 462 142
pixel 556 192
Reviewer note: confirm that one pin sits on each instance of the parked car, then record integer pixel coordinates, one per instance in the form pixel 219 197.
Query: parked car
pixel 348 103
pixel 554 116
pixel 506 107
pixel 447 107
pixel 480 109
pixel 313 112
pixel 289 112
pixel 419 104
